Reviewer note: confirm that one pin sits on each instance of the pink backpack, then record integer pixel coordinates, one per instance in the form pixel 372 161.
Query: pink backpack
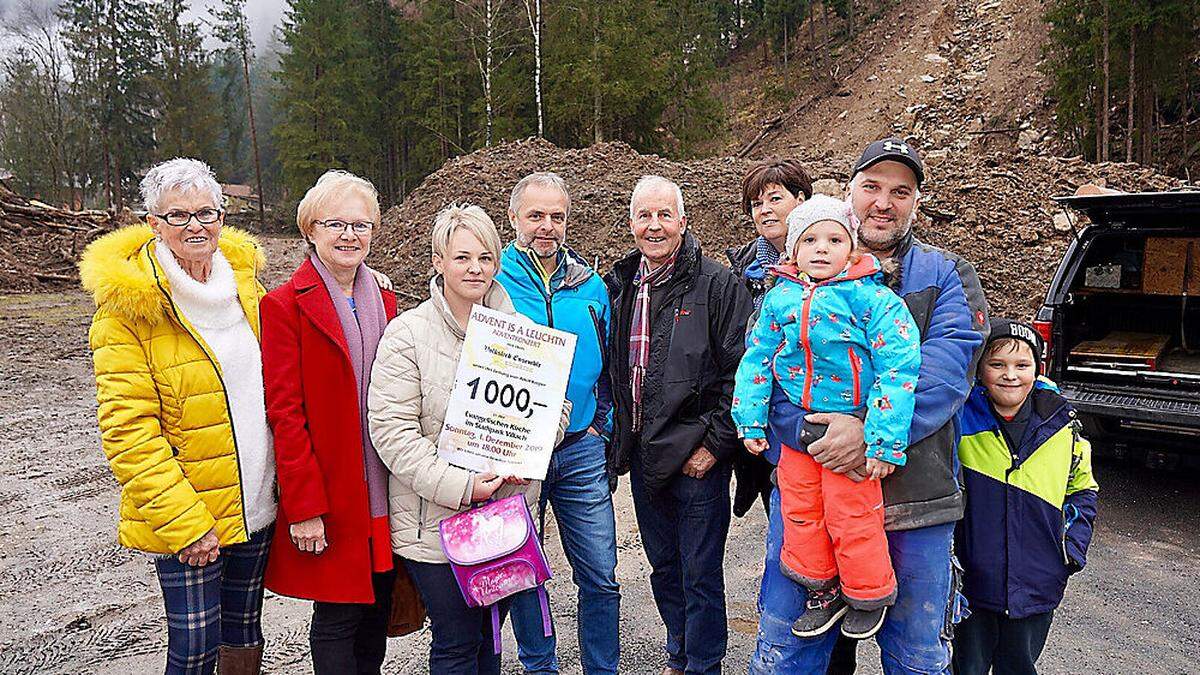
pixel 495 552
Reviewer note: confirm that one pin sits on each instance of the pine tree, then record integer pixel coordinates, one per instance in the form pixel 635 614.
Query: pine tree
pixel 323 88
pixel 188 114
pixel 111 46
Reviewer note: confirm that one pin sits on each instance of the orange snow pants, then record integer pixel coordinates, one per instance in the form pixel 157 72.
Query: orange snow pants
pixel 833 530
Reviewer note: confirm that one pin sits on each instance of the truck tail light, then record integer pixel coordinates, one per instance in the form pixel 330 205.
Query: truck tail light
pixel 1045 329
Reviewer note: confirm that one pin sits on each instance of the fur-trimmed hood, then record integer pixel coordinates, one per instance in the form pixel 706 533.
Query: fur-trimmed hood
pixel 119 270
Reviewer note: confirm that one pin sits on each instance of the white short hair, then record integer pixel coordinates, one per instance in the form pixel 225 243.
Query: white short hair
pixel 183 174
pixel 647 183
pixel 543 178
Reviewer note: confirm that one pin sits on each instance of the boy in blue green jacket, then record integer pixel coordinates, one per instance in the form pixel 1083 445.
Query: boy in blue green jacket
pixel 833 338
pixel 1031 505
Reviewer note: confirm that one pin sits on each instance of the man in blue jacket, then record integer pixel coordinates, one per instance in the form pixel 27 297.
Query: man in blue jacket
pixel 922 500
pixel 552 285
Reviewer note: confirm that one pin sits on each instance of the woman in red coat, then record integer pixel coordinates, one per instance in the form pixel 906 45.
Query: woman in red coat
pixel 319 335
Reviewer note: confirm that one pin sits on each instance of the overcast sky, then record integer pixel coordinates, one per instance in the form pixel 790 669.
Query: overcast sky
pixel 264 15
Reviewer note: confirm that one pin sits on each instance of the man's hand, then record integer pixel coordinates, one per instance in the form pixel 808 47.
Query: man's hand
pixel 699 463
pixel 383 280
pixel 309 535
pixel 202 551
pixel 755 446
pixel 878 469
pixel 841 449
pixel 593 431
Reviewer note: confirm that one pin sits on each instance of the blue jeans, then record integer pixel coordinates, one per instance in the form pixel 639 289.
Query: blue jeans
pixel 684 527
pixel 915 636
pixel 218 604
pixel 576 487
pixel 462 636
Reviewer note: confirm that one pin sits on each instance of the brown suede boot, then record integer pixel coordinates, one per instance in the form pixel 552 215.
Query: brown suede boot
pixel 239 660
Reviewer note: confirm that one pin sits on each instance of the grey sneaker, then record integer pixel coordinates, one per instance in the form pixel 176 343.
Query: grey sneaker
pixel 861 624
pixel 822 610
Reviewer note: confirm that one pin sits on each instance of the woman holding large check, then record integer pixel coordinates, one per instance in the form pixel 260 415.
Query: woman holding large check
pixel 409 393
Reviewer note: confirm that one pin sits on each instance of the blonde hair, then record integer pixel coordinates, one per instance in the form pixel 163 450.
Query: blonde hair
pixel 471 218
pixel 334 186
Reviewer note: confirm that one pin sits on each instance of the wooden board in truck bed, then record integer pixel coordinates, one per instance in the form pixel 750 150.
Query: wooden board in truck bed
pixel 1140 349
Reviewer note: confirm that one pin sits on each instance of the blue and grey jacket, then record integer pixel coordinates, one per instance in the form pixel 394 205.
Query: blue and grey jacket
pixel 943 294
pixel 574 299
pixel 1030 505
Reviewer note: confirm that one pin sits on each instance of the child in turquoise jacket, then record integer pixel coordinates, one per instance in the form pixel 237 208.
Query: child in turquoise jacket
pixel 833 338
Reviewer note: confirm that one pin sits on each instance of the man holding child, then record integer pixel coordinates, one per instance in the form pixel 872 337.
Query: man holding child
pixel 922 499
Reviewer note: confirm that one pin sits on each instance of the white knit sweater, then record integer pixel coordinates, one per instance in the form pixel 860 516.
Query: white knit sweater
pixel 213 309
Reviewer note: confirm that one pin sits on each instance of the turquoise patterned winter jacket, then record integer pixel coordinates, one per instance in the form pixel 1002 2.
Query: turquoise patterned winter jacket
pixel 836 345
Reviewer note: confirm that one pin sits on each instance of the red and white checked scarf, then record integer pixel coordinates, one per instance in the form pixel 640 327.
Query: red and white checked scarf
pixel 639 331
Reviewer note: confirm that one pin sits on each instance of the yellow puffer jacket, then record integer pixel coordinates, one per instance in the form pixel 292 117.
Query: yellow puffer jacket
pixel 164 419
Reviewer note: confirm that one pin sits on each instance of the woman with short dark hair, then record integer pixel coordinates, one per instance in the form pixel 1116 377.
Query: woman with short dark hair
pixel 770 190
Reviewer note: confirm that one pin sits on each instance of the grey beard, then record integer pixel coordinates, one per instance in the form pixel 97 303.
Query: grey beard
pixel 528 243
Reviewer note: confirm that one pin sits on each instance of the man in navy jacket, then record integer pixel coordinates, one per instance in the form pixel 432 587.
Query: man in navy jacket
pixel 922 500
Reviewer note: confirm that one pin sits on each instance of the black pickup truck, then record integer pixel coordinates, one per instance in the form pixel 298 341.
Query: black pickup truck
pixel 1122 319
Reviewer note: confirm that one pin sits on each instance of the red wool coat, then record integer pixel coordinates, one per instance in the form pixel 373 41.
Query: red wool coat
pixel 312 405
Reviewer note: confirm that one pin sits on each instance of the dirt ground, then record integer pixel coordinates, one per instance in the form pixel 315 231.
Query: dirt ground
pixel 72 601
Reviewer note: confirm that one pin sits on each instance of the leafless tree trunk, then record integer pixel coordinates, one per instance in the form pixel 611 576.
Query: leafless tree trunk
pixel 533 12
pixel 485 22
pixel 1132 94
pixel 597 132
pixel 1105 101
pixel 262 217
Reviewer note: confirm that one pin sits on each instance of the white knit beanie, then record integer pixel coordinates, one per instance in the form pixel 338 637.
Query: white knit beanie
pixel 815 209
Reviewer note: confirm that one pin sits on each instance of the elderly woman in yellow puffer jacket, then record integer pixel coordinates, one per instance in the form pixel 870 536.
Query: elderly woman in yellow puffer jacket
pixel 179 383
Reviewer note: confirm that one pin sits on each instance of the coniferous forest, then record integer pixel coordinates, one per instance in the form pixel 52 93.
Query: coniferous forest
pixel 93 91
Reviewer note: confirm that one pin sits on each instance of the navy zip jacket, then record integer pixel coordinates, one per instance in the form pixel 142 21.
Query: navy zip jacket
pixel 697 338
pixel 1030 505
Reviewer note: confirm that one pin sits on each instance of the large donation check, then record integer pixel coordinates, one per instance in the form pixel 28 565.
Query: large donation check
pixel 504 412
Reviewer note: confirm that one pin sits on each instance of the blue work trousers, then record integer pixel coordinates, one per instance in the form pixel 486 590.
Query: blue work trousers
pixel 576 488
pixel 915 638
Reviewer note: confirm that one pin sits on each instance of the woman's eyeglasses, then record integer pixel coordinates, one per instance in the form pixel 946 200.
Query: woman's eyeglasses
pixel 357 226
pixel 180 218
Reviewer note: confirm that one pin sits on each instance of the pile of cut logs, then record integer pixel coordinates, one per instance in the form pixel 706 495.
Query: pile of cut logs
pixel 43 242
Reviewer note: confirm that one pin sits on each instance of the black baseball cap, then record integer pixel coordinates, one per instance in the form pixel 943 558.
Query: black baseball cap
pixel 1018 330
pixel 893 150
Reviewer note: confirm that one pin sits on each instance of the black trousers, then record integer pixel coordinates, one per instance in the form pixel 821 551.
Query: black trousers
pixel 348 637
pixel 989 640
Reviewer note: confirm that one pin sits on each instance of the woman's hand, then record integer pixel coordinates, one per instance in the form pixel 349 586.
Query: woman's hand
pixel 309 535
pixel 202 551
pixel 878 469
pixel 484 485
pixel 755 446
pixel 515 480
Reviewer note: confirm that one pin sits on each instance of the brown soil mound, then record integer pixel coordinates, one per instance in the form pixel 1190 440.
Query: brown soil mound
pixel 995 209
pixel 40 244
